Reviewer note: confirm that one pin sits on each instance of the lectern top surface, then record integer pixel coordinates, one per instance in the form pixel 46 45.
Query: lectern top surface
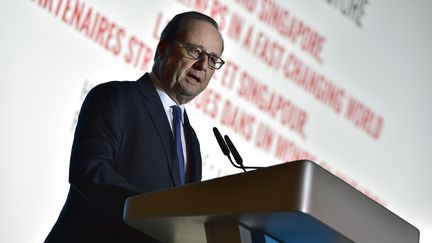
pixel 258 198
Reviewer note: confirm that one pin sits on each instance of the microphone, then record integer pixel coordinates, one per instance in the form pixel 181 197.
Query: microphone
pixel 221 142
pixel 237 156
pixel 234 152
pixel 227 146
pixel 223 145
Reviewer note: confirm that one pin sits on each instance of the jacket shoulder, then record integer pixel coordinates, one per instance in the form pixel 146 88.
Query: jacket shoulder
pixel 114 86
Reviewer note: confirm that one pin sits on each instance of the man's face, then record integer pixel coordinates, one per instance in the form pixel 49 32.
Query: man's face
pixel 183 77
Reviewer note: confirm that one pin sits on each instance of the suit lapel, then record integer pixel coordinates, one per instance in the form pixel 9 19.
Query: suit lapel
pixel 156 111
pixel 194 153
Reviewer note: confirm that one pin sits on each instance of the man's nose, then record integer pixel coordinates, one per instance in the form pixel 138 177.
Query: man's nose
pixel 201 63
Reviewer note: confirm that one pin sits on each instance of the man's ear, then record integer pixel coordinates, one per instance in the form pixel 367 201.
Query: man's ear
pixel 161 49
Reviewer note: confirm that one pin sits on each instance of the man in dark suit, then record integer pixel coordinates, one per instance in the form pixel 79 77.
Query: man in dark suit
pixel 128 141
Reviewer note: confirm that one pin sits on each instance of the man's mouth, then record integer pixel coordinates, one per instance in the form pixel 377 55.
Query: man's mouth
pixel 193 78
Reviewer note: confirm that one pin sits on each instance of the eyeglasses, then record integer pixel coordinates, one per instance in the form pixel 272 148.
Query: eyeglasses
pixel 196 52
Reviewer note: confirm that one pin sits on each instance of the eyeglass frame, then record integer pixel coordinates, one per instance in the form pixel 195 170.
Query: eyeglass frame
pixel 202 52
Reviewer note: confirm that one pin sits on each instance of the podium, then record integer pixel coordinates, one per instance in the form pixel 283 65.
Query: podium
pixel 291 202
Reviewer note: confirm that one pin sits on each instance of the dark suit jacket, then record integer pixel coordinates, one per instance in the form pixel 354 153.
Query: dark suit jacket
pixel 123 146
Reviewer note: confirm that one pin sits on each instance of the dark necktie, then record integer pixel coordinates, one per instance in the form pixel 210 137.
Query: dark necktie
pixel 178 141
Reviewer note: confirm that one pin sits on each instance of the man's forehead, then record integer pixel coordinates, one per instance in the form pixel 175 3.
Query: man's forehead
pixel 196 26
pixel 194 33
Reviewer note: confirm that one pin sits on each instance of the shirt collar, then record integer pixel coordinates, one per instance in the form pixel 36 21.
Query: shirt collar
pixel 167 102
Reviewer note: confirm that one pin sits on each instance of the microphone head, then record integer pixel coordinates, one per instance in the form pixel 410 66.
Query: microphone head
pixel 221 141
pixel 234 151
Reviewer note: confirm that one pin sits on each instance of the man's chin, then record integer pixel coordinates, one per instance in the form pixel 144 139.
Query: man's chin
pixel 191 89
pixel 185 95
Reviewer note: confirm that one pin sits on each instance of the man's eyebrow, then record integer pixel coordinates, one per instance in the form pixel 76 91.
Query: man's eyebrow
pixel 203 48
